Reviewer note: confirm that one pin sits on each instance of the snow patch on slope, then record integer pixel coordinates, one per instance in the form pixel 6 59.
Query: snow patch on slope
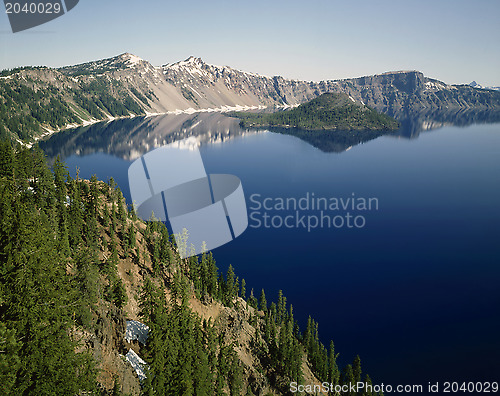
pixel 132 59
pixel 136 331
pixel 434 85
pixel 193 65
pixel 139 365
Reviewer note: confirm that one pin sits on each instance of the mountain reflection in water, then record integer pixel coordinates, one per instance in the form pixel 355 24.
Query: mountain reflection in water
pixel 132 137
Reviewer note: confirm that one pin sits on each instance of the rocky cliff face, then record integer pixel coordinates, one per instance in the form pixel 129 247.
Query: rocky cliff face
pixel 127 85
pixel 393 91
pixel 204 84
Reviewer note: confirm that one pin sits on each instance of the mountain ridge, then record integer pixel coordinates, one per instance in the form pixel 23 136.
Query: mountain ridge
pixel 126 85
pixel 474 84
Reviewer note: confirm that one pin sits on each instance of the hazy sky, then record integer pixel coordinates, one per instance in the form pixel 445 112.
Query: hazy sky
pixel 456 41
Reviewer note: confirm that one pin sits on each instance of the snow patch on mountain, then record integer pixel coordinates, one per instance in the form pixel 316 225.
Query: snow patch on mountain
pixel 474 84
pixel 133 59
pixel 434 85
pixel 136 331
pixel 197 66
pixel 139 365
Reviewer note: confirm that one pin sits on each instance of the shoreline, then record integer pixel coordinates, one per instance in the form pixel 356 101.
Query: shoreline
pixel 223 109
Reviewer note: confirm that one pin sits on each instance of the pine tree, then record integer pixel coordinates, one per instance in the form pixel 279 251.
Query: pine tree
pixel 87 284
pixel 113 258
pixel 281 308
pixel 75 215
pixel 236 287
pixel 119 293
pixel 10 361
pixel 230 286
pixel 252 301
pixel 43 185
pixel 60 176
pixel 6 159
pixel 263 301
pixel 112 217
pixel 333 370
pixel 356 369
pixel 348 378
pixel 243 292
pixel 367 390
pixel 105 216
pixel 308 335
pixel 131 236
pixel 121 209
pixel 94 196
pixel 235 376
pixel 202 374
pixel 212 283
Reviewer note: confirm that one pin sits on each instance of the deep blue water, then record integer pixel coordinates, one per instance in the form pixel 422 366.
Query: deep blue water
pixel 416 291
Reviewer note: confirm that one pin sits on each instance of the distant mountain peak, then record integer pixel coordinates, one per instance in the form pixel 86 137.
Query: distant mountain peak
pixel 120 62
pixel 190 62
pixel 193 59
pixel 474 84
pixel 131 58
pixel 126 60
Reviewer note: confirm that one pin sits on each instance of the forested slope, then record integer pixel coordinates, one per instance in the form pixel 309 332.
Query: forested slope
pixel 35 100
pixel 76 263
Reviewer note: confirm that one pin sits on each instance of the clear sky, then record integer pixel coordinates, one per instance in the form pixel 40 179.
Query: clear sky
pixel 456 41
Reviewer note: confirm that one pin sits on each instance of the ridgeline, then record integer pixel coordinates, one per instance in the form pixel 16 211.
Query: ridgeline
pixel 35 101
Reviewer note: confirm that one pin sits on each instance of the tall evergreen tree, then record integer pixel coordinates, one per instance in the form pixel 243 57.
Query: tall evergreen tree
pixel 333 369
pixel 6 159
pixel 263 301
pixel 356 369
pixel 348 378
pixel 367 390
pixel 243 292
pixel 230 286
pixel 252 300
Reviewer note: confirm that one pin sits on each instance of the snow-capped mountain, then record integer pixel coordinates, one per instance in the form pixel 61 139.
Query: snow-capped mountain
pixel 119 62
pixel 127 85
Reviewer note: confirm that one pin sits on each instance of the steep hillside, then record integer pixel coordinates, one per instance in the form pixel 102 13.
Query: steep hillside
pixel 77 267
pixel 35 101
pixel 38 100
pixel 213 85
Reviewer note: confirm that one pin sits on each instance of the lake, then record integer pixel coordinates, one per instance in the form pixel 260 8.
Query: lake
pixel 412 287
